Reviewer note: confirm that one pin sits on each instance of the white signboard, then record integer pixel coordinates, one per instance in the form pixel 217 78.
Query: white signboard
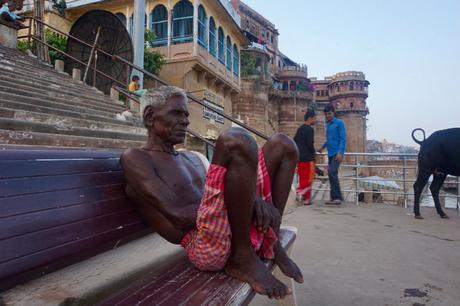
pixel 209 114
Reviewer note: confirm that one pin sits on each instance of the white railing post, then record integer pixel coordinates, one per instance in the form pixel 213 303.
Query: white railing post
pixel 458 193
pixel 356 180
pixel 404 181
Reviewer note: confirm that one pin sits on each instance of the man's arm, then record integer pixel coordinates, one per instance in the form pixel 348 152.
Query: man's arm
pixel 342 137
pixel 143 179
pixel 310 137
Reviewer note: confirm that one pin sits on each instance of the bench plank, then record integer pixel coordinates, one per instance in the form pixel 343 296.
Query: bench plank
pixel 36 202
pixel 8 153
pixel 36 221
pixel 39 184
pixel 183 284
pixel 28 168
pixel 40 240
pixel 49 260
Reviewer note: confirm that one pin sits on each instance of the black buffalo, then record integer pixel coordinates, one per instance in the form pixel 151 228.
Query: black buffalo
pixel 439 156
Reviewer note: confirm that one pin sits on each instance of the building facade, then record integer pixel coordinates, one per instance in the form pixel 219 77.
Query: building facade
pixel 276 91
pixel 201 41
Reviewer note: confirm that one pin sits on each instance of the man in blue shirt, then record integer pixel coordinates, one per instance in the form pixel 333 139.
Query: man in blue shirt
pixel 335 143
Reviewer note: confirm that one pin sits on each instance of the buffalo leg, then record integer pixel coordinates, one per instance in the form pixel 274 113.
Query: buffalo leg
pixel 438 180
pixel 422 179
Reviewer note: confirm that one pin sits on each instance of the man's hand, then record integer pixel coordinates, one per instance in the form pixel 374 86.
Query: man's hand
pixel 339 157
pixel 320 150
pixel 265 215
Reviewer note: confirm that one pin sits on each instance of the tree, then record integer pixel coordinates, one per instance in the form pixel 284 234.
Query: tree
pixel 153 60
pixel 248 64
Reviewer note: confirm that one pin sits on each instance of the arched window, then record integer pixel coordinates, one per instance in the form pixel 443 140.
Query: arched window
pixel 212 37
pixel 221 45
pixel 202 27
pixel 159 25
pixel 229 53
pixel 182 22
pixel 131 23
pixel 236 61
pixel 122 18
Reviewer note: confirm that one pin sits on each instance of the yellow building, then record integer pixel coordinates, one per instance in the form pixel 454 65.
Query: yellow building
pixel 201 42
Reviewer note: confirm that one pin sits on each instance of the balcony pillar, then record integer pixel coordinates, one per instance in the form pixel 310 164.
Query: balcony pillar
pixel 195 26
pixel 138 37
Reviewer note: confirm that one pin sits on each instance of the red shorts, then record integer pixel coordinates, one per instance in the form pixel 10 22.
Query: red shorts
pixel 208 245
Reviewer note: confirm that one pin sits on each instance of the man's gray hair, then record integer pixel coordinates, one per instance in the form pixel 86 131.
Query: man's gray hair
pixel 158 97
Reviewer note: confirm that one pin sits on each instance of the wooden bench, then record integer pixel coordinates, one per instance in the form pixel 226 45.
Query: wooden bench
pixel 70 236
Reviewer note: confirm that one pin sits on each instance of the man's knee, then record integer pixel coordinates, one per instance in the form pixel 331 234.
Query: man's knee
pixel 236 142
pixel 284 143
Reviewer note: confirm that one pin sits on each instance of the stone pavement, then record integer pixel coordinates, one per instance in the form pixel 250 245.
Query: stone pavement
pixel 375 254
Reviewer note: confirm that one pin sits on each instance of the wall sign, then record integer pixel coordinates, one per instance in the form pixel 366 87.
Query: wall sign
pixel 215 101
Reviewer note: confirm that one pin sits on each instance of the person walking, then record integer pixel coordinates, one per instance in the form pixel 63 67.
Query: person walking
pixel 305 138
pixel 335 145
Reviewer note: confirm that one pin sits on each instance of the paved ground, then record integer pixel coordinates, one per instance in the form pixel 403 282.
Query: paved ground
pixel 375 255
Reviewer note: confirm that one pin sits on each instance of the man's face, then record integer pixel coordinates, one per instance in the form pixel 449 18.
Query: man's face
pixel 170 122
pixel 311 120
pixel 329 116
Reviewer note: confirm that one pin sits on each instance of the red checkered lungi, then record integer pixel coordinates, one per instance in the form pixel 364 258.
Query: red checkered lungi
pixel 208 245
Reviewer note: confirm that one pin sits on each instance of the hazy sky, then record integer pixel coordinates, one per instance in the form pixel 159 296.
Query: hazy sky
pixel 409 51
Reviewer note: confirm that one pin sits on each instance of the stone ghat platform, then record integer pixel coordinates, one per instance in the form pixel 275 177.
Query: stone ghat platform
pixel 375 254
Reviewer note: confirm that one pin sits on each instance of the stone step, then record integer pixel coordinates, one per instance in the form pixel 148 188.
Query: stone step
pixel 19 58
pixel 68 122
pixel 15 62
pixel 36 71
pixel 51 95
pixel 50 76
pixel 22 57
pixel 51 110
pixel 55 104
pixel 42 107
pixel 35 139
pixel 30 126
pixel 68 85
pixel 39 70
pixel 60 91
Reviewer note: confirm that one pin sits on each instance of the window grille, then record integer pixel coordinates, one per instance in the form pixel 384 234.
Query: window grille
pixel 221 45
pixel 202 27
pixel 212 37
pixel 182 22
pixel 159 25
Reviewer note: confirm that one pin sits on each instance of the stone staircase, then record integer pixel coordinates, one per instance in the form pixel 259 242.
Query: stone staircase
pixel 42 107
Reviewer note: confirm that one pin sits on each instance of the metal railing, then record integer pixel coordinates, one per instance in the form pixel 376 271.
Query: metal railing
pixel 355 165
pixel 129 67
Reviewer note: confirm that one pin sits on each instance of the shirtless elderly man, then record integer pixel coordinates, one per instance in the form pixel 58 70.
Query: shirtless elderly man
pixel 231 218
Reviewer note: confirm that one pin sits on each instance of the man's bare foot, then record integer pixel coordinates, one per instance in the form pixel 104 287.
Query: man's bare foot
pixel 248 268
pixel 286 265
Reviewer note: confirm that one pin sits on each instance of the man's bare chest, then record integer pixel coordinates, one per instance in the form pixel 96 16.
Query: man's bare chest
pixel 181 177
